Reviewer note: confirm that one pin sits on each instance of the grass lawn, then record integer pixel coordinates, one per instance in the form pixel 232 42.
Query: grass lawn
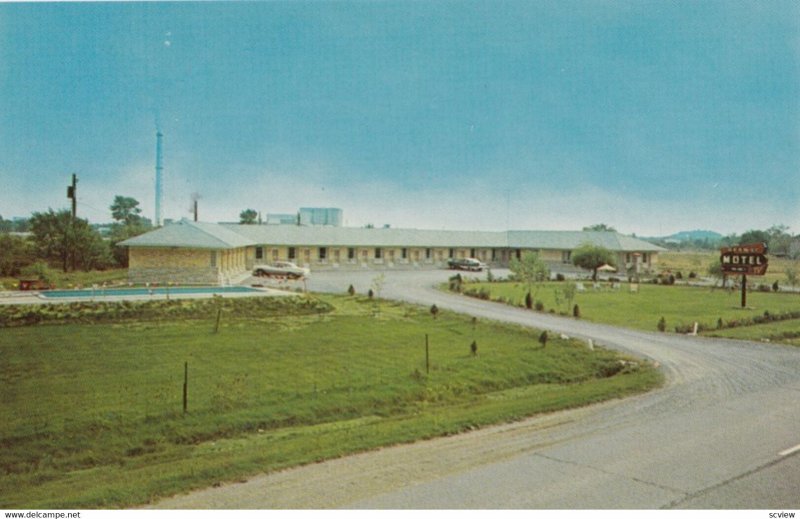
pixel 679 305
pixel 91 414
pixel 73 279
pixel 787 332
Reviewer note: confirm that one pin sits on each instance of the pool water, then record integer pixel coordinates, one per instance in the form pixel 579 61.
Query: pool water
pixel 111 292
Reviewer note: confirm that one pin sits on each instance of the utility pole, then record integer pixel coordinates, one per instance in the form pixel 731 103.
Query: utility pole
pixel 72 192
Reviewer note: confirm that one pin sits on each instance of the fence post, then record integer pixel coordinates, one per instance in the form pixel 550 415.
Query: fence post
pixel 427 357
pixel 185 386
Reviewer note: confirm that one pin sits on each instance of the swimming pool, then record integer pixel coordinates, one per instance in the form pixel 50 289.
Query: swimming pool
pixel 155 291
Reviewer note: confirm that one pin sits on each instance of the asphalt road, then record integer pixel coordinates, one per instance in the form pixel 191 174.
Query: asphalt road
pixel 721 434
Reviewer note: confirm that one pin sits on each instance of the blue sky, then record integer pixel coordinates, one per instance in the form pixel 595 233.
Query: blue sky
pixel 653 117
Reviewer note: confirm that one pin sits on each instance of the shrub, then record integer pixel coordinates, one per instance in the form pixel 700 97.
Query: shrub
pixel 678 275
pixel 434 311
pixel 351 290
pixel 775 287
pixel 539 306
pixel 474 347
pixel 543 339
pixel 370 294
pixel 662 324
pixel 692 275
pixel 560 277
pixel 576 312
pixel 528 301
pixel 764 288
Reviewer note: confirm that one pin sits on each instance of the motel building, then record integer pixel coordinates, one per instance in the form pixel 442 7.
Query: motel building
pixel 189 252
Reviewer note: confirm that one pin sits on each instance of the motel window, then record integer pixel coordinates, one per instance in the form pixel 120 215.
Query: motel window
pixel 427 254
pixel 259 253
pixel 351 253
pixel 274 254
pixel 566 255
pixel 628 258
pixel 378 253
pixel 292 253
pixel 323 253
pixel 472 253
pixel 451 253
pixel 644 257
pixel 404 253
pixel 494 254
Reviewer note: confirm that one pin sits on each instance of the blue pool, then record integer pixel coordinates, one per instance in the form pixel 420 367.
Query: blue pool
pixel 160 291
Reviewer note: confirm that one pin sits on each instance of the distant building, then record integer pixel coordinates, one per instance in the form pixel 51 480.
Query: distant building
pixel 321 216
pixel 281 219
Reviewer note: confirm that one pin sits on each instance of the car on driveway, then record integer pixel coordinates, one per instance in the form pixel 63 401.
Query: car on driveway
pixel 285 269
pixel 465 264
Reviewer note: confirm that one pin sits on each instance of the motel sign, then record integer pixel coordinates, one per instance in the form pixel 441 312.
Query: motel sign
pixel 744 259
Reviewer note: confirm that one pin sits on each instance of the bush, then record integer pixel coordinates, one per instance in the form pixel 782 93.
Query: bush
pixel 678 275
pixel 434 311
pixel 528 301
pixel 560 277
pixel 576 312
pixel 539 306
pixel 351 290
pixel 662 324
pixel 543 339
pixel 692 275
pixel 370 294
pixel 764 288
pixel 775 287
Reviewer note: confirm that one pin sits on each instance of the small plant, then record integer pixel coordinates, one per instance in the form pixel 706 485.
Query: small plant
pixel 370 294
pixel 539 306
pixel 678 275
pixel 775 287
pixel 528 301
pixel 543 339
pixel 662 324
pixel 720 324
pixel 489 276
pixel 692 275
pixel 560 277
pixel 576 312
pixel 434 311
pixel 474 348
pixel 351 290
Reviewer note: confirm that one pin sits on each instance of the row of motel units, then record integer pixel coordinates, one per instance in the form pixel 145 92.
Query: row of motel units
pixel 199 253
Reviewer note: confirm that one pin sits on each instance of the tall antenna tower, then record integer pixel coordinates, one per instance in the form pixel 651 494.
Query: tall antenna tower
pixel 159 180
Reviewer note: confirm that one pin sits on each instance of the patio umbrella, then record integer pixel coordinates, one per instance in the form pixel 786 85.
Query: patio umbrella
pixel 606 268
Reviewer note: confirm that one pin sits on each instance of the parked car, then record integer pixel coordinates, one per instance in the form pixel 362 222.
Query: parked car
pixel 281 269
pixel 465 264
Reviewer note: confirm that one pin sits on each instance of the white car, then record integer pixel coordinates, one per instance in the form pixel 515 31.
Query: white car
pixel 281 269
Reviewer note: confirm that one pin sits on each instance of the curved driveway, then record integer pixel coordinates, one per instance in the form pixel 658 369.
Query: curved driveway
pixel 721 434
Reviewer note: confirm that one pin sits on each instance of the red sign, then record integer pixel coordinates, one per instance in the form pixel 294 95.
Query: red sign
pixel 744 259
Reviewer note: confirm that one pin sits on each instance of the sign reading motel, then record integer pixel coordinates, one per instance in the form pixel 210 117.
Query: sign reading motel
pixel 744 259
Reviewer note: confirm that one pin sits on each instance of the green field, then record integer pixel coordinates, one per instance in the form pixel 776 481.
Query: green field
pixel 91 414
pixel 678 305
pixel 698 262
pixel 73 279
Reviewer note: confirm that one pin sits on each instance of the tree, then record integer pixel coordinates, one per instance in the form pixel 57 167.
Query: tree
pixel 248 216
pixel 592 257
pixel 15 253
pixel 600 227
pixel 72 243
pixel 530 269
pixel 126 210
pixel 791 275
pixel 780 240
pixel 754 236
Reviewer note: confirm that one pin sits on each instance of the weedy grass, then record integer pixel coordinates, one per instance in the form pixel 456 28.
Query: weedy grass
pixel 92 413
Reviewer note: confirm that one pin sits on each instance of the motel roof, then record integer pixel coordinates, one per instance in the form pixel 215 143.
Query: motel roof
pixel 200 235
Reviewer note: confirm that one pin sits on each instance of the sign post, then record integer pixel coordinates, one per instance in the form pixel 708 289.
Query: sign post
pixel 746 260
